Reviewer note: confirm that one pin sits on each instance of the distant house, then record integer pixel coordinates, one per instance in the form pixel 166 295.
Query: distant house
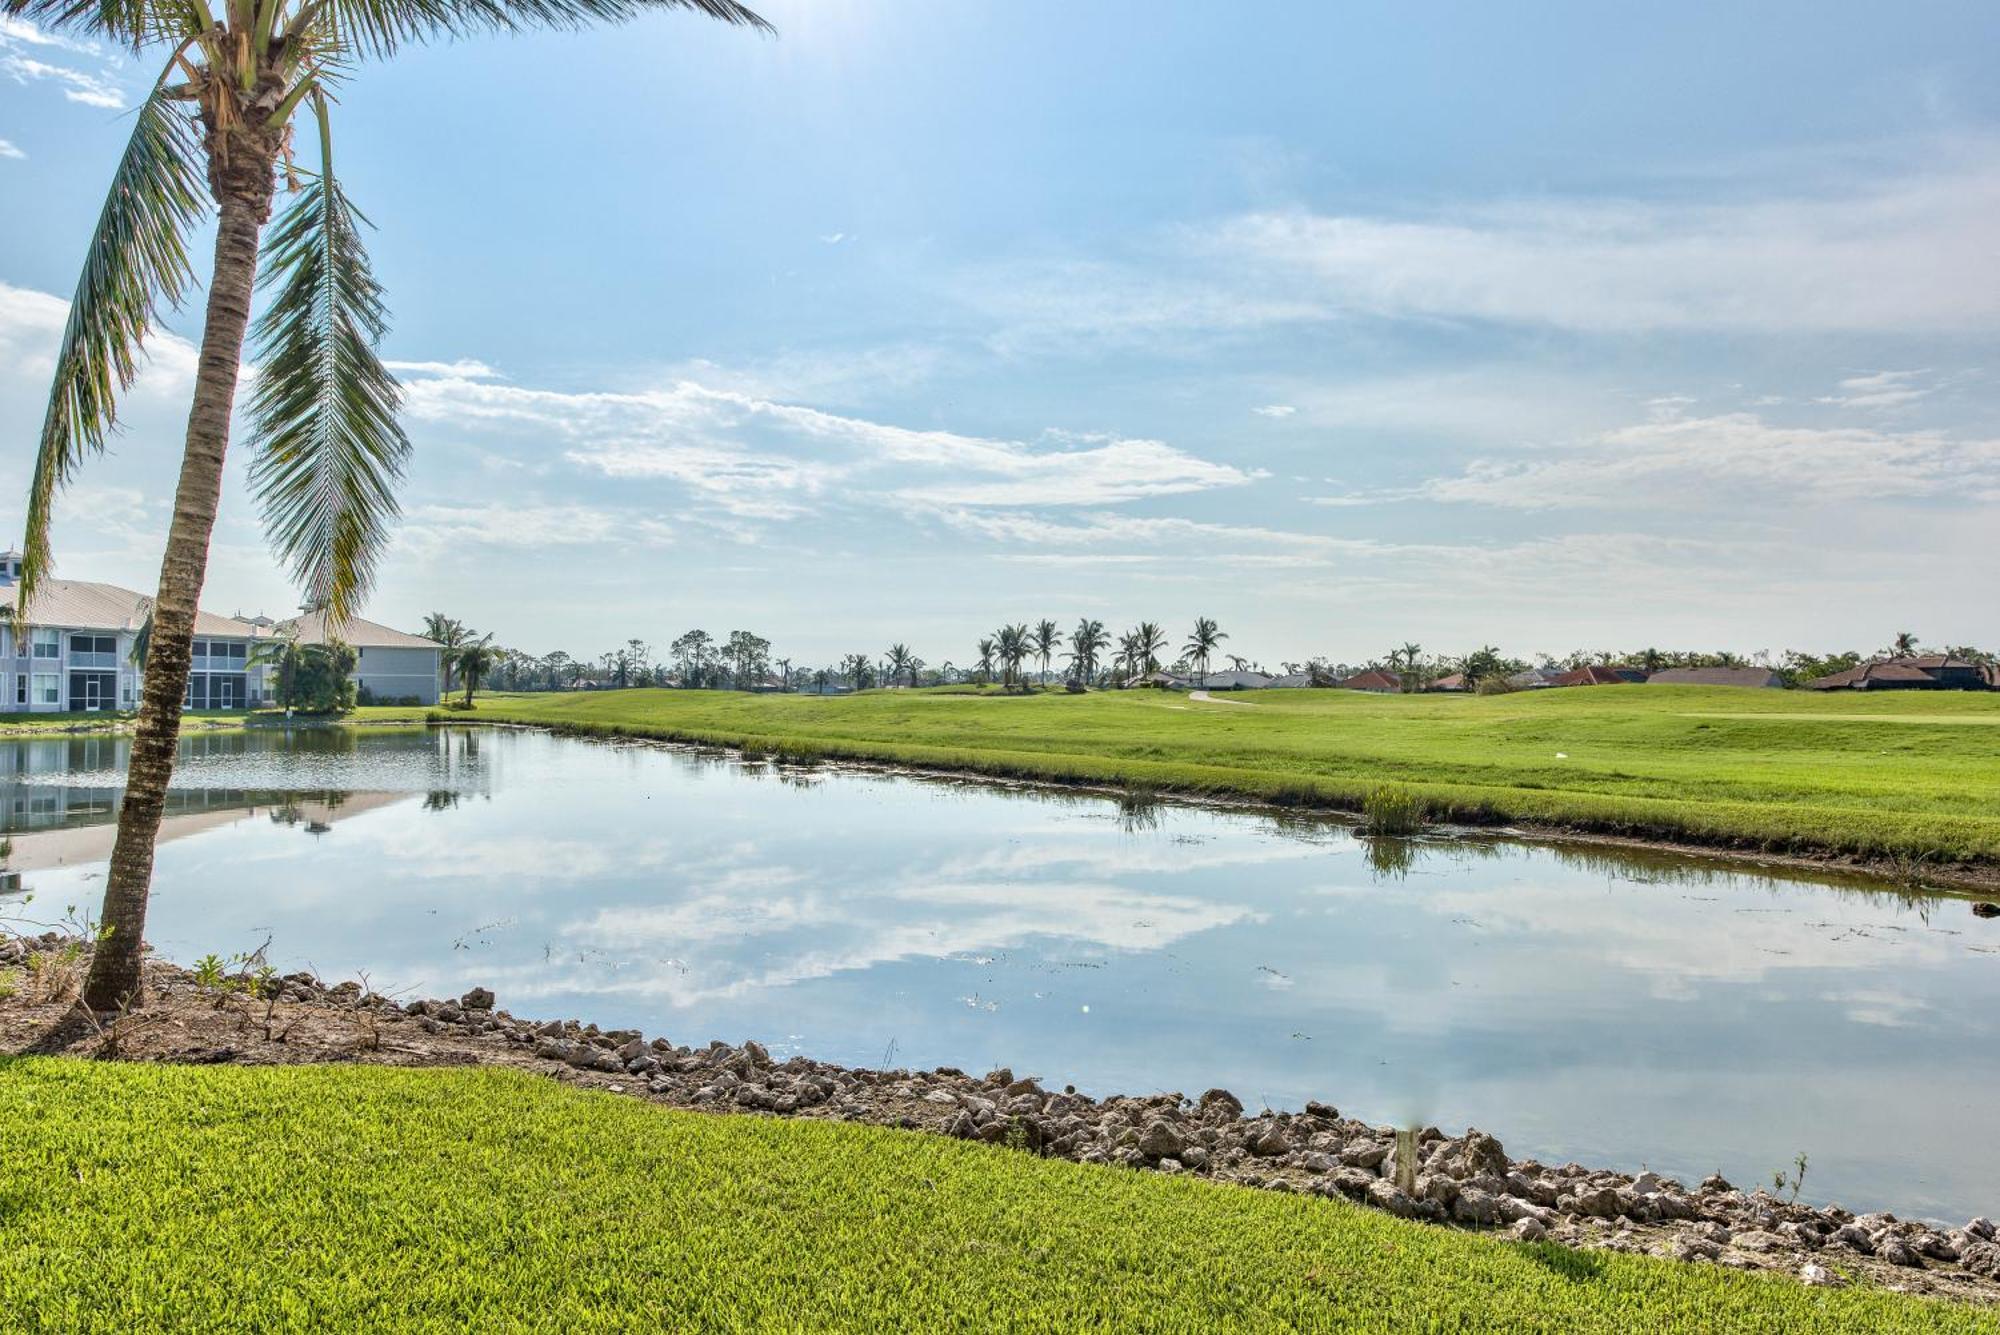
pixel 1376 680
pixel 1593 675
pixel 388 664
pixel 76 652
pixel 1454 681
pixel 1233 680
pixel 1756 677
pixel 1921 672
pixel 1534 679
pixel 1291 681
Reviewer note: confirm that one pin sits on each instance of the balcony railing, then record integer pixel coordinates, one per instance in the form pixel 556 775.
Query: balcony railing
pixel 93 660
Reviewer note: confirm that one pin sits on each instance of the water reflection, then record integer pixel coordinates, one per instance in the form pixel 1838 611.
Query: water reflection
pixel 1580 1002
pixel 59 797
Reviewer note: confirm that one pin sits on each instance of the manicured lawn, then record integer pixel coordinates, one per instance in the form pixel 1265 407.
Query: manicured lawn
pixel 141 1197
pixel 1915 774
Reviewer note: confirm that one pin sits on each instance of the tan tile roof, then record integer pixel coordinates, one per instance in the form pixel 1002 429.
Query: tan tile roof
pixel 1716 676
pixel 310 628
pixel 80 604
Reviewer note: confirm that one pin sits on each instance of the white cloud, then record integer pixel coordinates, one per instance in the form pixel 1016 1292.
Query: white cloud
pixel 1882 389
pixel 8 150
pixel 31 328
pixel 90 89
pixel 464 368
pixel 738 943
pixel 1907 252
pixel 95 89
pixel 21 32
pixel 1044 305
pixel 757 458
pixel 1106 537
pixel 432 530
pixel 1705 461
pixel 1279 410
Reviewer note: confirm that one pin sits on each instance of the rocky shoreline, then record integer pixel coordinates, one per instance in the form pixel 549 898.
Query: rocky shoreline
pixel 1464 1181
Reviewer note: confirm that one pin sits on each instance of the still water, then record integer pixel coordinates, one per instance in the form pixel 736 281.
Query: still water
pixel 1621 1011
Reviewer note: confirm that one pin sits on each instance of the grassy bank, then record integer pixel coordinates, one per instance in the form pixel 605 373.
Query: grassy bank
pixel 145 1197
pixel 204 720
pixel 1901 776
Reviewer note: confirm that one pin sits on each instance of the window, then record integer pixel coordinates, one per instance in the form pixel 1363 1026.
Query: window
pixel 20 688
pixel 48 644
pixel 48 686
pixel 93 644
pixel 126 687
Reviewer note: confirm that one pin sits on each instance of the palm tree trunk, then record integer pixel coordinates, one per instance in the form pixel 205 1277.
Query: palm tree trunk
pixel 244 192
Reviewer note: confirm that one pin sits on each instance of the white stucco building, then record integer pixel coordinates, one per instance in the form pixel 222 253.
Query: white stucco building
pixel 75 652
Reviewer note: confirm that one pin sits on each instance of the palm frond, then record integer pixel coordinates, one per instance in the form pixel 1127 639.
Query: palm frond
pixel 378 27
pixel 130 23
pixel 138 258
pixel 329 450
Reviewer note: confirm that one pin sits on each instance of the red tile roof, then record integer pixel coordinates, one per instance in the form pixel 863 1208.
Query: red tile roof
pixel 1373 680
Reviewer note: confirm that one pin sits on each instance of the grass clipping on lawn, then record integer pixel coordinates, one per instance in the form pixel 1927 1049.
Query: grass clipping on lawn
pixel 143 1197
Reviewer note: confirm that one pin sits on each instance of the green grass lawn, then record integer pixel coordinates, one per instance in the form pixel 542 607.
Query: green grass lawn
pixel 1913 774
pixel 142 1197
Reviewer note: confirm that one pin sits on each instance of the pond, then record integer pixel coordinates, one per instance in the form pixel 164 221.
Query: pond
pixel 1619 1010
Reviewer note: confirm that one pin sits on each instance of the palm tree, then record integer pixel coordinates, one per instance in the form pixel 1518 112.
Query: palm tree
pixel 902 663
pixel 1011 643
pixel 142 641
pixel 1408 662
pixel 985 661
pixel 285 656
pixel 322 666
pixel 453 635
pixel 328 452
pixel 1906 643
pixel 1201 643
pixel 475 660
pixel 1086 642
pixel 1148 643
pixel 1044 640
pixel 784 666
pixel 1125 662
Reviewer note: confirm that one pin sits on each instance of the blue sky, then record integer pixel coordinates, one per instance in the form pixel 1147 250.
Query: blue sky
pixel 1343 325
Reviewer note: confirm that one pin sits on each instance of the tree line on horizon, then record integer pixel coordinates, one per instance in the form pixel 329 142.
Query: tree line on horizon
pixel 1018 655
